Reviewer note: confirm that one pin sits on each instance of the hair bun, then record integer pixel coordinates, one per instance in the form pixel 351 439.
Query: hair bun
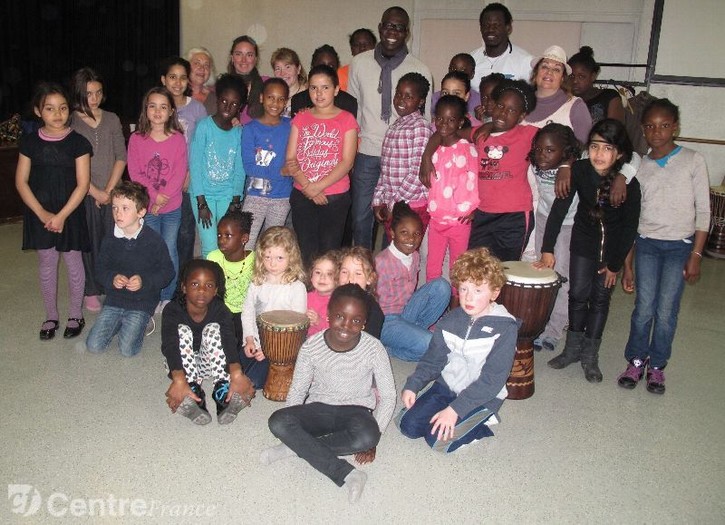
pixel 586 50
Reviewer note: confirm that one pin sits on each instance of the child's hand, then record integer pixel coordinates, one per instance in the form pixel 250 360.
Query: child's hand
pixel 408 398
pixel 479 112
pixel 178 390
pixel 251 350
pixel 240 384
pixel 365 457
pixel 44 217
pixel 313 316
pixel 134 283
pixel 627 279
pixel 162 200
pixel 381 212
pixel 320 200
pixel 205 217
pixel 691 273
pixel 610 278
pixel 482 132
pixel 467 219
pixel 563 182
pixel 55 224
pixel 547 261
pixel 102 197
pixel 618 191
pixel 427 171
pixel 444 422
pixel 120 281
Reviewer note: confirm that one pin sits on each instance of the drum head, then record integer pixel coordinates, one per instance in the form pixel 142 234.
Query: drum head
pixel 283 318
pixel 522 272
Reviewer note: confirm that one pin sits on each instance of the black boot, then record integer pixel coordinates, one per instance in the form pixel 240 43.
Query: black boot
pixel 572 351
pixel 227 411
pixel 590 360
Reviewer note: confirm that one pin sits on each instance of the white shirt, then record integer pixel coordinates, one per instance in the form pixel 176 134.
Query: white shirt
pixel 515 63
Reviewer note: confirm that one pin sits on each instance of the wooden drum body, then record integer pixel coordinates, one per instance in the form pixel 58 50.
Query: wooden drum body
pixel 716 239
pixel 281 333
pixel 529 295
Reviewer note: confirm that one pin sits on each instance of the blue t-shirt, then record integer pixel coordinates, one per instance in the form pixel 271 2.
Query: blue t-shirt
pixel 263 150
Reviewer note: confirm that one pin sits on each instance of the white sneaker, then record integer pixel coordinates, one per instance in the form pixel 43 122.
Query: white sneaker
pixel 151 327
pixel 160 307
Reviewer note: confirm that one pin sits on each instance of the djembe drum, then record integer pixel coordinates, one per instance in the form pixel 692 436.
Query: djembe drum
pixel 281 333
pixel 716 239
pixel 528 294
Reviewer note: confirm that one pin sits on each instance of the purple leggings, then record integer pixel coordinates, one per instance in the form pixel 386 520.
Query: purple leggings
pixel 48 271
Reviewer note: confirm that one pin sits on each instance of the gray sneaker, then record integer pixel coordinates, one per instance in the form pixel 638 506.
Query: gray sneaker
pixel 189 408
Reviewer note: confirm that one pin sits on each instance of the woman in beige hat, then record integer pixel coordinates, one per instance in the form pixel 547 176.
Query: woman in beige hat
pixel 554 102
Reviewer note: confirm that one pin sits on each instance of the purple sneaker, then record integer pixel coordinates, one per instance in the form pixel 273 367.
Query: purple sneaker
pixel 655 380
pixel 631 376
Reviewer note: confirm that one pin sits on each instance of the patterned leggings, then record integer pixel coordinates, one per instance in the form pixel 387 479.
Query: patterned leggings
pixel 209 362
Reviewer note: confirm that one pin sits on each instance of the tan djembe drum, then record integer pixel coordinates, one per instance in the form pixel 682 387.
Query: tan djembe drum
pixel 529 295
pixel 716 239
pixel 281 333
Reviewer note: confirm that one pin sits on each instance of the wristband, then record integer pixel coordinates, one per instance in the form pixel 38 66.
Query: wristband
pixel 564 166
pixel 696 253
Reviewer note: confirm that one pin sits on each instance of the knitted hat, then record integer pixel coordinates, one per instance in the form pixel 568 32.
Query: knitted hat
pixel 555 53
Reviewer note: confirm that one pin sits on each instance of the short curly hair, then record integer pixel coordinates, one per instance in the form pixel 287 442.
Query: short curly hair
pixel 478 266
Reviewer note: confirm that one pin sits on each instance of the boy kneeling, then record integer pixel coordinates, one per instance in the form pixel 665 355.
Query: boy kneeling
pixel 133 266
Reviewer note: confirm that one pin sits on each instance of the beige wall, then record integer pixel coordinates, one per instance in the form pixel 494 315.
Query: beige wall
pixel 441 29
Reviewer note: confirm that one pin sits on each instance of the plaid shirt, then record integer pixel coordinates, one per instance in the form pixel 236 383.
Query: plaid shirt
pixel 396 283
pixel 403 148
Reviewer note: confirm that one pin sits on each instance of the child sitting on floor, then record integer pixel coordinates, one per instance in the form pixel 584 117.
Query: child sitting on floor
pixel 469 360
pixel 332 408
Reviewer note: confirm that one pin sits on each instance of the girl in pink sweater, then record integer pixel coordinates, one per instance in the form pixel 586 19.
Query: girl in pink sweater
pixel 453 192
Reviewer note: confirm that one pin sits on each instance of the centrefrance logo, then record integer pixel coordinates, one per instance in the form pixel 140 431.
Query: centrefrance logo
pixel 26 500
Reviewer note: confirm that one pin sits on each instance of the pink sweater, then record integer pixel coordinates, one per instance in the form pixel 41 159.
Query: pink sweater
pixel 454 191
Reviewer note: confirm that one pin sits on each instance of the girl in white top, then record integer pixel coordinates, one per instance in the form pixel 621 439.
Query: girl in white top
pixel 277 284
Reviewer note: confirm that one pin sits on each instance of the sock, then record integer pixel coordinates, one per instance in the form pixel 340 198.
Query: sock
pixel 272 454
pixel 76 284
pixel 48 273
pixel 355 483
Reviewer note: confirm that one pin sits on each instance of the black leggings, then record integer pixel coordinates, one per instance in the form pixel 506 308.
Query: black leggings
pixel 588 298
pixel 318 228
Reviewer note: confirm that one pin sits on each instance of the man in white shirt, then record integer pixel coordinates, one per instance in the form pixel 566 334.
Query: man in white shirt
pixel 498 54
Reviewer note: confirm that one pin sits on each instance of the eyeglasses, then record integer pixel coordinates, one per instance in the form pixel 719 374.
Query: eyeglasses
pixel 398 28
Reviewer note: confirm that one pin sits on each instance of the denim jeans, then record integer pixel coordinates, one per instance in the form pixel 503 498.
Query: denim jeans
pixel 319 433
pixel 130 326
pixel 364 178
pixel 415 423
pixel 406 335
pixel 660 283
pixel 167 225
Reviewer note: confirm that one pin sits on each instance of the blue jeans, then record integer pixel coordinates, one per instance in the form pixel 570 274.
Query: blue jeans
pixel 415 423
pixel 660 283
pixel 364 178
pixel 128 324
pixel 406 335
pixel 167 225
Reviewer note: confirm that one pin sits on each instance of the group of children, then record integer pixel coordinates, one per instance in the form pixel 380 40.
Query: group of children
pixel 481 191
